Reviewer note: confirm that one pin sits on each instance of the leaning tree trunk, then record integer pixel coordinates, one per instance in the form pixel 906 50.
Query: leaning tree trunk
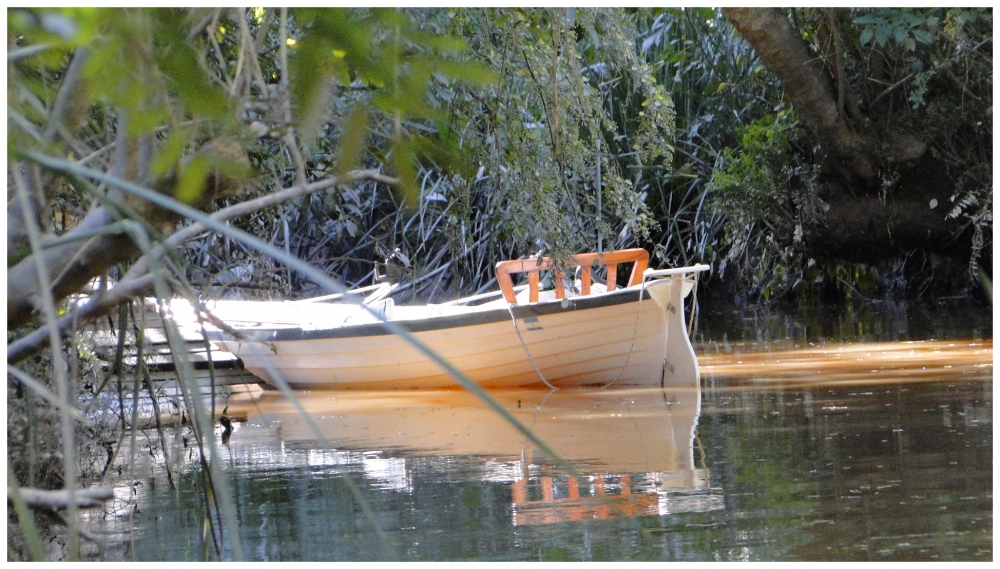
pixel 867 220
pixel 814 97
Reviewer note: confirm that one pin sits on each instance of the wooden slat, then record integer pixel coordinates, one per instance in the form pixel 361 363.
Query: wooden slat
pixel 586 262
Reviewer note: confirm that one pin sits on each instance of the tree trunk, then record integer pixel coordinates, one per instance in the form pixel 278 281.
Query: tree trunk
pixel 868 218
pixel 813 95
pixel 873 228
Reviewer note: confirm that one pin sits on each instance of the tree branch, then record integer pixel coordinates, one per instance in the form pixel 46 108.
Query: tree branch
pixel 138 279
pixel 837 62
pixel 98 306
pixel 254 62
pixel 76 262
pixel 893 87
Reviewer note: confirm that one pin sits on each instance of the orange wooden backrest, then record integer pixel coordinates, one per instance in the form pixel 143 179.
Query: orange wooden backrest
pixel 585 261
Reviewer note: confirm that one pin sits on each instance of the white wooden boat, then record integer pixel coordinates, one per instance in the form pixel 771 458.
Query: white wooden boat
pixel 586 333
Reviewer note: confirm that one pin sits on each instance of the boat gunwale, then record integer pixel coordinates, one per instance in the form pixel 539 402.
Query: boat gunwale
pixel 440 322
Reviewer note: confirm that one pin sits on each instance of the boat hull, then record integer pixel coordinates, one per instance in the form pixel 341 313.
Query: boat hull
pixel 617 338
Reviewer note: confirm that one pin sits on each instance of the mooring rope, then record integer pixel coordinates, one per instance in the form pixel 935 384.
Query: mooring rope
pixel 510 308
pixel 635 330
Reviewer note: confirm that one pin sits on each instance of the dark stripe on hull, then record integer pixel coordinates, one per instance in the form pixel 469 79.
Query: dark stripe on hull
pixel 438 322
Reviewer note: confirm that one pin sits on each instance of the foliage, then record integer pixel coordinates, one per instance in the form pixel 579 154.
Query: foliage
pixel 769 194
pixel 718 84
pixel 931 70
pixel 178 102
pixel 459 136
pixel 535 134
pixel 924 42
pixel 908 79
pixel 526 178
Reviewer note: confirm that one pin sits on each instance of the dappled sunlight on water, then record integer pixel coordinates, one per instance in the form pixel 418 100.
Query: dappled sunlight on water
pixel 844 364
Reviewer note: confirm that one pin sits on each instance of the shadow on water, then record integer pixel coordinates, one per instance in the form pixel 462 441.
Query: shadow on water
pixel 822 437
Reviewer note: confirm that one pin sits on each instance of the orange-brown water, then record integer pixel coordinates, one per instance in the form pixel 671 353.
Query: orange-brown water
pixel 804 365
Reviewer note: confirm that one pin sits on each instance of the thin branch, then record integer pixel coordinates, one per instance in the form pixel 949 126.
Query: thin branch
pixel 238 79
pixel 943 65
pixel 297 160
pixel 25 52
pixel 893 87
pixel 265 26
pixel 267 200
pixel 200 26
pixel 254 62
pixel 95 154
pixel 66 425
pixel 67 91
pixel 286 103
pixel 218 50
pixel 28 127
pixel 951 75
pixel 283 57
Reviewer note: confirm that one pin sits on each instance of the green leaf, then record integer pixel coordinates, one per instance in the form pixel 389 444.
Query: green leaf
pixel 469 72
pixel 310 68
pixel 912 19
pixel 312 62
pixel 341 29
pixel 922 36
pixel 353 141
pixel 407 192
pixel 179 62
pixel 342 72
pixel 445 43
pixel 866 35
pixel 899 34
pixel 169 154
pixel 192 180
pixel 881 36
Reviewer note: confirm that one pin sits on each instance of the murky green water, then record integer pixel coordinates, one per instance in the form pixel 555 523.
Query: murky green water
pixel 888 456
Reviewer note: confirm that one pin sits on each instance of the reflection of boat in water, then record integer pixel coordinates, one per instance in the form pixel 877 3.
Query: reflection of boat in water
pixel 550 498
pixel 576 333
pixel 632 448
pixel 558 499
